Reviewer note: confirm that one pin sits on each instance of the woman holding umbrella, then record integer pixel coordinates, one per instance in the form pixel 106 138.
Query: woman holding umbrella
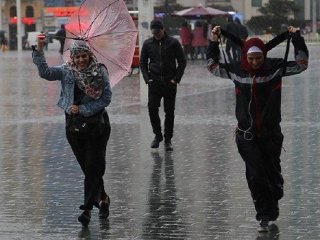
pixel 85 92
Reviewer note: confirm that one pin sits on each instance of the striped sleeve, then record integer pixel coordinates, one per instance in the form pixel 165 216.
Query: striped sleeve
pixel 301 54
pixel 213 65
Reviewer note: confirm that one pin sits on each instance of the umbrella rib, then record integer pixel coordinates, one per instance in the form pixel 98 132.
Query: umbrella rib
pixel 89 28
pixel 106 58
pixel 79 17
pixel 111 33
pixel 71 34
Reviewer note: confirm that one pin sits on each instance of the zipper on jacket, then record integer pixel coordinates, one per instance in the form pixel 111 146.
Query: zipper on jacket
pixel 257 108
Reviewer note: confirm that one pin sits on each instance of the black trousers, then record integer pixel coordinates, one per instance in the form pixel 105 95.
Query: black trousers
pixel 156 92
pixel 90 152
pixel 263 171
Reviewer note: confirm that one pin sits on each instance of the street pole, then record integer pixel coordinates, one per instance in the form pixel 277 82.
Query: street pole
pixel 314 17
pixel 146 15
pixel 1 15
pixel 19 26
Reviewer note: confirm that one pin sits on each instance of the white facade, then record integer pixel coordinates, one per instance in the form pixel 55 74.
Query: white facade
pixel 192 3
pixel 244 7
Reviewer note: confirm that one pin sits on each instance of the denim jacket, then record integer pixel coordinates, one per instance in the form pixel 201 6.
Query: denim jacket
pixel 65 75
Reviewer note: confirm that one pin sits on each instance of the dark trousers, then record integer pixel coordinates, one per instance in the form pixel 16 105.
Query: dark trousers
pixel 188 51
pixel 263 171
pixel 61 47
pixel 90 152
pixel 156 92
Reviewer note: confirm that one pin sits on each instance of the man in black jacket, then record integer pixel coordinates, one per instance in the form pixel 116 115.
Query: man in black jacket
pixel 158 62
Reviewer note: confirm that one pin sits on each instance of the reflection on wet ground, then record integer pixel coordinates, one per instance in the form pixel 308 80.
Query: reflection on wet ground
pixel 198 191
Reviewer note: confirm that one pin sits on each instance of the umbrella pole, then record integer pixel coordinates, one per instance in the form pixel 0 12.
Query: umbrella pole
pixel 146 15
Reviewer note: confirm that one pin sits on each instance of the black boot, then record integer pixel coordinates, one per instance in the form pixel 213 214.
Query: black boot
pixel 156 141
pixel 168 145
pixel 104 208
pixel 84 218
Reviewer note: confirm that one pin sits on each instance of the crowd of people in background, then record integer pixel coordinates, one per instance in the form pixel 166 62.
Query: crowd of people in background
pixel 195 41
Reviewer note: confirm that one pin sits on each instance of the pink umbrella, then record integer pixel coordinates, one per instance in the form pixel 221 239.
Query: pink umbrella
pixel 110 32
pixel 200 11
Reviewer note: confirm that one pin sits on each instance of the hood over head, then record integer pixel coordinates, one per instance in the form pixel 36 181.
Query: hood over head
pixel 250 46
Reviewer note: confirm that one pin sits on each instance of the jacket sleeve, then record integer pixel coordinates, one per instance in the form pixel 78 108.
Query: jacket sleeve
pixel 95 106
pixel 214 66
pixel 182 63
pixel 46 72
pixel 276 40
pixel 232 37
pixel 144 62
pixel 301 55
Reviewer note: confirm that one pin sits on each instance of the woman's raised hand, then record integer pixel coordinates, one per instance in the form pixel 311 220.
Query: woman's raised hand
pixel 292 29
pixel 40 42
pixel 215 33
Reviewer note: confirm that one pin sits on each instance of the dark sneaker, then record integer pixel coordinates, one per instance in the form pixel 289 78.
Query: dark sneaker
pixel 263 225
pixel 156 141
pixel 168 146
pixel 104 208
pixel 84 218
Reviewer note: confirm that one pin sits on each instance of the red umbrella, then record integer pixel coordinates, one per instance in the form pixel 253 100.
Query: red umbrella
pixel 200 12
pixel 110 32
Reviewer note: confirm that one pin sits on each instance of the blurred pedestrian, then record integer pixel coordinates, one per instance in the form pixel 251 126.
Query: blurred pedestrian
pixel 162 64
pixel 258 81
pixel 242 33
pixel 232 49
pixel 242 30
pixel 3 42
pixel 61 37
pixel 199 42
pixel 186 40
pixel 85 94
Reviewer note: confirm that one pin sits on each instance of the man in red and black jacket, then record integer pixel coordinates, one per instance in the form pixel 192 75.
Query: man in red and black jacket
pixel 162 64
pixel 258 82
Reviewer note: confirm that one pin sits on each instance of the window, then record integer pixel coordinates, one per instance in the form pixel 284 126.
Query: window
pixel 29 11
pixel 13 11
pixel 256 3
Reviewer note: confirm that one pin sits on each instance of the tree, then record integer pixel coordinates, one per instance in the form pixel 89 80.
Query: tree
pixel 171 23
pixel 276 14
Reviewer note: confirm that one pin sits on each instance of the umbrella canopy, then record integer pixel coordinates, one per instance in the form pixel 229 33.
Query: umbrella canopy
pixel 200 11
pixel 110 32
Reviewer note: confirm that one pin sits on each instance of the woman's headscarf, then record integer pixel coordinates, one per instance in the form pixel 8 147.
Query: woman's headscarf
pixel 252 43
pixel 89 80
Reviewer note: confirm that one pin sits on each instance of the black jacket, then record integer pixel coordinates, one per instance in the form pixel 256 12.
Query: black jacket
pixel 162 60
pixel 258 98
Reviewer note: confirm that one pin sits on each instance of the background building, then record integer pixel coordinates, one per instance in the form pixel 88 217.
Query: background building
pixel 247 8
pixel 48 15
pixel 31 14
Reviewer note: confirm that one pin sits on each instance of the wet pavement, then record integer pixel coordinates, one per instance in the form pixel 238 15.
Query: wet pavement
pixel 198 191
